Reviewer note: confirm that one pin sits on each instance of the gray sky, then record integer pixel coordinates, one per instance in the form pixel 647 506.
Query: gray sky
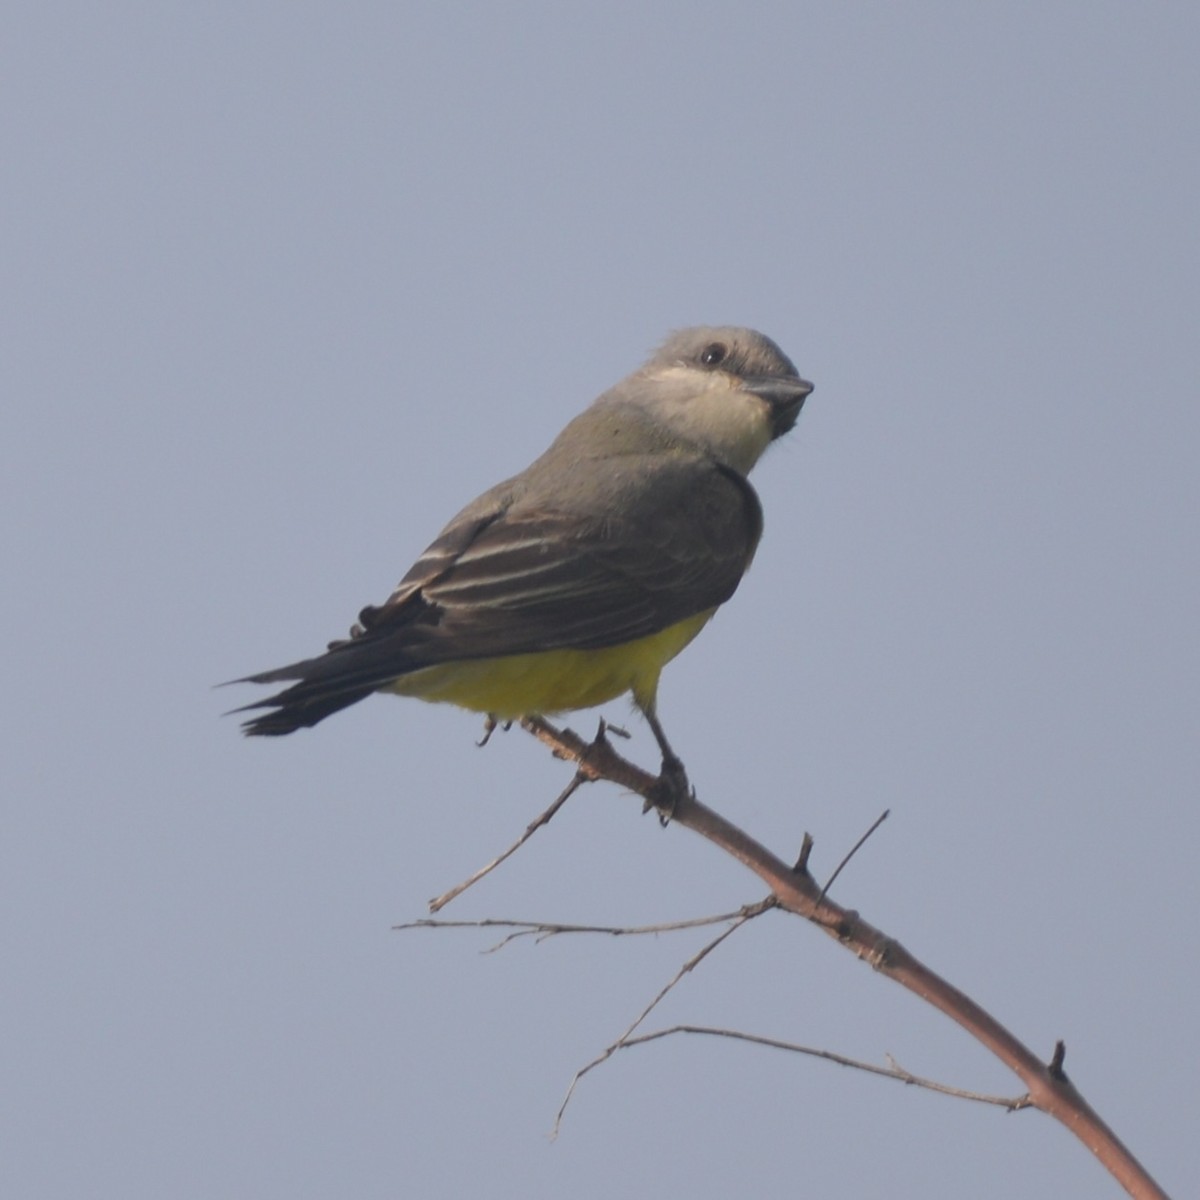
pixel 287 284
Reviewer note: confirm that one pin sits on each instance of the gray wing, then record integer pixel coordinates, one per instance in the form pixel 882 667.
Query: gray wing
pixel 647 546
pixel 531 579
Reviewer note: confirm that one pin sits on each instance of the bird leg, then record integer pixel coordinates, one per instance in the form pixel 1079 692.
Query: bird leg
pixel 672 786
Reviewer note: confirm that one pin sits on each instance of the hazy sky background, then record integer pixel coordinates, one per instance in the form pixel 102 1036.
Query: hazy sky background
pixel 286 284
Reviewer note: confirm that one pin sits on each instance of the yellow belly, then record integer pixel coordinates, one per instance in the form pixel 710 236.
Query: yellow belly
pixel 553 681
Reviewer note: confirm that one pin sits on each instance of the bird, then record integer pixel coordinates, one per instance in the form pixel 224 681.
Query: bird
pixel 580 578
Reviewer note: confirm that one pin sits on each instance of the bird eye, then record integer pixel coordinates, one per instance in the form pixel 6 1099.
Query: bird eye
pixel 713 354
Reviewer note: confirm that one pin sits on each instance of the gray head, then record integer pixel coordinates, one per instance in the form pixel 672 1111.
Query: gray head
pixel 730 389
pixel 741 352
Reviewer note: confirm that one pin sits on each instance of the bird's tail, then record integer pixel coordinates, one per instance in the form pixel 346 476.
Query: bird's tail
pixel 331 681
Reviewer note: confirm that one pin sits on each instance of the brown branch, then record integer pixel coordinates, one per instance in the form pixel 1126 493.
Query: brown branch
pixel 1048 1086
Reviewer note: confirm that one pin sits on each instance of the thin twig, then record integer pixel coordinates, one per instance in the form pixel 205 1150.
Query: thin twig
pixel 540 930
pixel 687 967
pixel 894 1071
pixel 879 820
pixel 440 902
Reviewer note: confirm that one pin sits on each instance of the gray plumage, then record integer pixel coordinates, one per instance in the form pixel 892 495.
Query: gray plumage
pixel 637 517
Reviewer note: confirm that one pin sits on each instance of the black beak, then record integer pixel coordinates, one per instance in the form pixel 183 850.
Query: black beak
pixel 784 393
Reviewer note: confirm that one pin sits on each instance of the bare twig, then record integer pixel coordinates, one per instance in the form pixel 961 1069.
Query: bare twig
pixel 1012 1104
pixel 879 820
pixel 894 1071
pixel 540 930
pixel 440 902
pixel 582 776
pixel 689 966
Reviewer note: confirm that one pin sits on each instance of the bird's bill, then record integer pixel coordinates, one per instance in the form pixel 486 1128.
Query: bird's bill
pixel 783 394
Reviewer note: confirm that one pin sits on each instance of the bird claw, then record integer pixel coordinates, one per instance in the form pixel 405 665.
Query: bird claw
pixel 490 724
pixel 669 791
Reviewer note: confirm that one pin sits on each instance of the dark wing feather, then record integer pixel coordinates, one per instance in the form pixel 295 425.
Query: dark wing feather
pixel 528 579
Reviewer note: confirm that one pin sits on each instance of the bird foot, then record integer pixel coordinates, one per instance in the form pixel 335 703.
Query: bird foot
pixel 670 790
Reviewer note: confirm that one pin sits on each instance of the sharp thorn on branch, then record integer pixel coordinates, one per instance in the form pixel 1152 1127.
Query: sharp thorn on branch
pixel 806 846
pixel 1056 1061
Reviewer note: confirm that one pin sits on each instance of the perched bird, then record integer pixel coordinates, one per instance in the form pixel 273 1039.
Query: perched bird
pixel 580 578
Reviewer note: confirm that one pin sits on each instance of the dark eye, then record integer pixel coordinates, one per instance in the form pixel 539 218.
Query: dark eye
pixel 713 355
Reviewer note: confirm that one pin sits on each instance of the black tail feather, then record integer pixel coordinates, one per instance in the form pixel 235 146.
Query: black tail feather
pixel 299 707
pixel 344 675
